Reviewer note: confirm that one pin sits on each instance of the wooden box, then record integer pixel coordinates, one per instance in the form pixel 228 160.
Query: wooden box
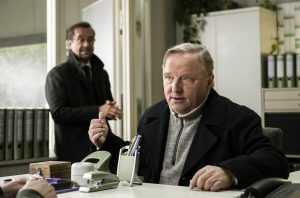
pixel 52 169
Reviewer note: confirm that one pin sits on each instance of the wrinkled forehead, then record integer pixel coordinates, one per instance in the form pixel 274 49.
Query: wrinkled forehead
pixel 82 31
pixel 183 61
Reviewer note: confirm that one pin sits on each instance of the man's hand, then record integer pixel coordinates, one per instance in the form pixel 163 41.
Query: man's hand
pixel 41 186
pixel 11 189
pixel 212 178
pixel 111 110
pixel 98 130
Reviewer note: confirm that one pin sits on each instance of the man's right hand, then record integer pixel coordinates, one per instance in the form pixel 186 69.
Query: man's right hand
pixel 98 130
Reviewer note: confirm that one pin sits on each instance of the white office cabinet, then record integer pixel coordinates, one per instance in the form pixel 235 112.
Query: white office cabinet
pixel 237 40
pixel 281 100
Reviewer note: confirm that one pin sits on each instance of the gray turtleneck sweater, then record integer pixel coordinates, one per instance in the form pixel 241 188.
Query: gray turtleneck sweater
pixel 181 131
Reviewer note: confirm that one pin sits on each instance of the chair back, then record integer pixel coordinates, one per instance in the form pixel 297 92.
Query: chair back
pixel 275 135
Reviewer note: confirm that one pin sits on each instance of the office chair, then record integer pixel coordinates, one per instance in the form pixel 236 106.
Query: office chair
pixel 275 135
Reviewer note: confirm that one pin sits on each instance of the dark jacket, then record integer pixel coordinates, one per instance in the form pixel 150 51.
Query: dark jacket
pixel 26 193
pixel 228 135
pixel 73 103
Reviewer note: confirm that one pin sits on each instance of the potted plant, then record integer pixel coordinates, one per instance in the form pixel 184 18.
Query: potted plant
pixel 190 14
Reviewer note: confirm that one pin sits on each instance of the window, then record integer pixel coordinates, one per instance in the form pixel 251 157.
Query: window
pixel 23 72
pixel 23 53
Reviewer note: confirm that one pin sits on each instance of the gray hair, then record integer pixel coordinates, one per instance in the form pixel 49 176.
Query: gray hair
pixel 192 48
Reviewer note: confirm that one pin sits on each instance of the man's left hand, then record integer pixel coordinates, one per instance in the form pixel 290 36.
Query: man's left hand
pixel 111 110
pixel 212 178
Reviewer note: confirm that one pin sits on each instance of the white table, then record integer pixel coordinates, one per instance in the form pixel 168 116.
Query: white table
pixel 295 177
pixel 156 190
pixel 151 191
pixel 145 190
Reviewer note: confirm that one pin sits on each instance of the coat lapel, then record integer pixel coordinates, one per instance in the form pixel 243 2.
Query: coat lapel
pixel 207 134
pixel 203 141
pixel 155 136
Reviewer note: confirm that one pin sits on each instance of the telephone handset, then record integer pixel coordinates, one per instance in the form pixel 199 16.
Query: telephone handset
pixel 271 188
pixel 100 159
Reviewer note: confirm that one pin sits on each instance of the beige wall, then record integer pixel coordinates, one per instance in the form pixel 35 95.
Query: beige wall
pixel 22 18
pixel 162 37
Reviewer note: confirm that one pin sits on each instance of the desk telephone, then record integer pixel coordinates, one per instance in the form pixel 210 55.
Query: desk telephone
pixel 272 188
pixel 98 178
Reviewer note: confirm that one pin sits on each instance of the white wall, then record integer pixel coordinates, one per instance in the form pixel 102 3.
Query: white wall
pixel 100 16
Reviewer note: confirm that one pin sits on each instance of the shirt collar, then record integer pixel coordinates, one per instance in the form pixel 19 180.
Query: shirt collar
pixel 193 113
pixel 87 64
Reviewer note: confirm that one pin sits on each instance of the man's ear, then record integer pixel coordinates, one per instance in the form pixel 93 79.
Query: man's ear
pixel 210 81
pixel 68 43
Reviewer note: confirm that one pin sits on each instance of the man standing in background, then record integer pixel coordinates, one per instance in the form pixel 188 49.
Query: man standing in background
pixel 77 91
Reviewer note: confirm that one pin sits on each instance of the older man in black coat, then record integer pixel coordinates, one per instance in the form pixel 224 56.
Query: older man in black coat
pixel 195 137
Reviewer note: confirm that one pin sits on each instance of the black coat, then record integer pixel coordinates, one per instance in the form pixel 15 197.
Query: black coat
pixel 73 103
pixel 228 135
